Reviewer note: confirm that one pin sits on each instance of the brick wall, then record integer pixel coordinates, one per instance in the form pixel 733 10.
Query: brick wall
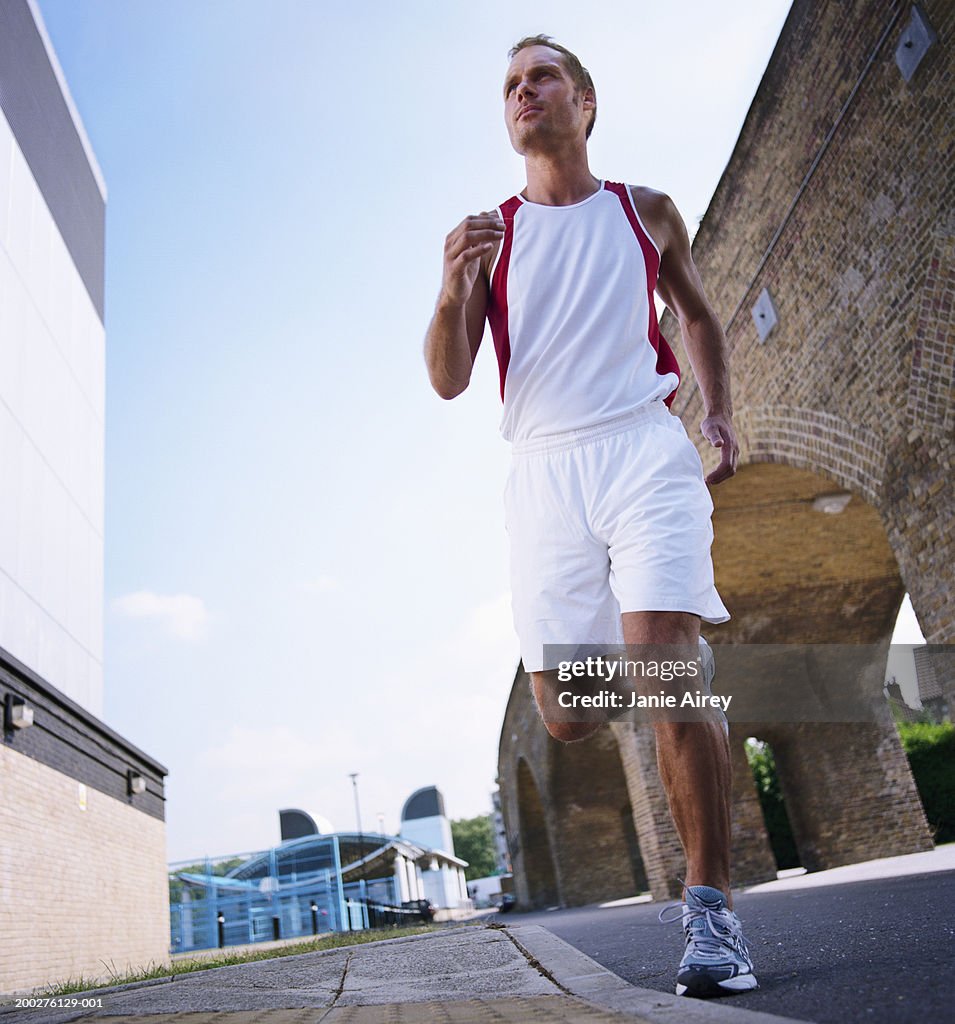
pixel 856 801
pixel 857 381
pixel 838 199
pixel 77 887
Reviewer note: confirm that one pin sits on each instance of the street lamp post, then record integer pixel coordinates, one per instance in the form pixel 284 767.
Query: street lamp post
pixel 354 781
pixel 361 839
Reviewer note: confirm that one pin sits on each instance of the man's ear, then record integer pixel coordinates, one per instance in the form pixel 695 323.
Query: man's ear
pixel 588 103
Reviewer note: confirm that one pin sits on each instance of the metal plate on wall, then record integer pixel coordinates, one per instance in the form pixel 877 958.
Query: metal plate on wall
pixel 914 43
pixel 764 315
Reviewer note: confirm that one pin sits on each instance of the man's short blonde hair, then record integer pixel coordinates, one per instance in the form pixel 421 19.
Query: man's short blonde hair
pixel 578 73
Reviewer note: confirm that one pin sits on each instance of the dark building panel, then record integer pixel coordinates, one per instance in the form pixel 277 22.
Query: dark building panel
pixel 66 737
pixel 40 119
pixel 423 803
pixel 295 824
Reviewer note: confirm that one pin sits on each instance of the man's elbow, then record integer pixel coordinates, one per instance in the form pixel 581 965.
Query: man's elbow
pixel 703 323
pixel 448 389
pixel 449 376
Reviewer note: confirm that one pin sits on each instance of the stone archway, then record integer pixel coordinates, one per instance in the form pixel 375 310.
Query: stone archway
pixel 532 855
pixel 597 849
pixel 799 558
pixel 802 560
pixel 839 224
pixel 577 815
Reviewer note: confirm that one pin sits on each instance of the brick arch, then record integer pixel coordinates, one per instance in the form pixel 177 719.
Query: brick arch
pixel 577 815
pixel 843 784
pixel 534 860
pixel 849 454
pixel 844 217
pixel 596 846
pixel 791 572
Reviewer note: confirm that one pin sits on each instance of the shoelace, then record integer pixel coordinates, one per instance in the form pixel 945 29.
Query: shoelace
pixel 721 923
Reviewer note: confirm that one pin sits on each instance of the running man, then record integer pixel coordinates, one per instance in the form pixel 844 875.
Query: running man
pixel 606 507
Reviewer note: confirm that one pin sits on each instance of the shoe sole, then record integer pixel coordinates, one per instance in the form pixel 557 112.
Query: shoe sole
pixel 702 986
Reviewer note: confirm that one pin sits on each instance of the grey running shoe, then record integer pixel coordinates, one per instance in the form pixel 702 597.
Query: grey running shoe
pixel 716 960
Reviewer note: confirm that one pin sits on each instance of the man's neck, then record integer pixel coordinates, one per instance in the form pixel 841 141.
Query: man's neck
pixel 559 180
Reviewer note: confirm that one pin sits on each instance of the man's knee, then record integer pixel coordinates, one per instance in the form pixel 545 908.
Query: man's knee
pixel 710 727
pixel 570 732
pixel 565 725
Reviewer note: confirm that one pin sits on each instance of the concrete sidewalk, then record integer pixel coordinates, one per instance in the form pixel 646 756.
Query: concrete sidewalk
pixel 466 974
pixel 942 858
pixel 462 974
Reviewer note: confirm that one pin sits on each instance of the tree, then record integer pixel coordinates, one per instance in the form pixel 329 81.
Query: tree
pixel 763 766
pixel 474 842
pixel 222 867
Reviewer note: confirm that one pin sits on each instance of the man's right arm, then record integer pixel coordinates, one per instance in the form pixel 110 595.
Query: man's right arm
pixel 457 326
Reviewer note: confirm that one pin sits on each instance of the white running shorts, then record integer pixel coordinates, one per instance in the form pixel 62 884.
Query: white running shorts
pixel 603 520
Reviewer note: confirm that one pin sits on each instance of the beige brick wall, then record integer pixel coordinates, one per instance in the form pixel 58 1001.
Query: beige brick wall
pixel 853 391
pixel 857 382
pixel 77 887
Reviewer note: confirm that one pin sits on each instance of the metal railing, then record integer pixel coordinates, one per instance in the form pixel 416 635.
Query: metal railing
pixel 211 915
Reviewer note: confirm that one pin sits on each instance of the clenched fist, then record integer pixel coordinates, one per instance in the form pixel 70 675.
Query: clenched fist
pixel 473 238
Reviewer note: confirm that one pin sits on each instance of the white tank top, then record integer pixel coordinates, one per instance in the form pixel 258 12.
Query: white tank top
pixel 572 315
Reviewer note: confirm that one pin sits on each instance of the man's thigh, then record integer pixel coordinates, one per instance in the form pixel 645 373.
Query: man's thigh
pixel 661 628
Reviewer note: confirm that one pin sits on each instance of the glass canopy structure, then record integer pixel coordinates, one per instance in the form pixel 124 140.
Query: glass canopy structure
pixel 304 886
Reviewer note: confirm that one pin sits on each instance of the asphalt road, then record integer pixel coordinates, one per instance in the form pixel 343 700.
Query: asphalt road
pixel 872 951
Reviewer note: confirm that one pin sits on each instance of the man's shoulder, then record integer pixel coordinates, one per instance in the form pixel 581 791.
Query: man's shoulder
pixel 651 197
pixel 657 210
pixel 510 203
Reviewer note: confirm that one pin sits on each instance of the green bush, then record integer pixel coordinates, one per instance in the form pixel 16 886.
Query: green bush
pixel 763 766
pixel 930 748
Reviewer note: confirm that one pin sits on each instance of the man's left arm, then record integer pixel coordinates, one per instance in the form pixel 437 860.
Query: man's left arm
pixel 680 287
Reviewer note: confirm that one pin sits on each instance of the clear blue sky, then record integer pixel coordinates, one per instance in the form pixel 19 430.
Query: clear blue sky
pixel 306 566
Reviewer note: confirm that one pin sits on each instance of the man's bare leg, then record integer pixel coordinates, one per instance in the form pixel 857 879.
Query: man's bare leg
pixel 694 763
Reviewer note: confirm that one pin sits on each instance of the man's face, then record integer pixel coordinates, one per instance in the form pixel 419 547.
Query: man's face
pixel 541 103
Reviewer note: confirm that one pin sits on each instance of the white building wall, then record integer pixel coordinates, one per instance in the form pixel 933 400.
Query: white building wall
pixel 433 832
pixel 52 402
pixel 434 888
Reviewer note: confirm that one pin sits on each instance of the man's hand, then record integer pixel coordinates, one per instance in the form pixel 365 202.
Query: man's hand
pixel 473 238
pixel 457 326
pixel 718 430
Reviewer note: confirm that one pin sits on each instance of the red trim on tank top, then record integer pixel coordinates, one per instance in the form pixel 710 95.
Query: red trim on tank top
pixel 666 360
pixel 497 307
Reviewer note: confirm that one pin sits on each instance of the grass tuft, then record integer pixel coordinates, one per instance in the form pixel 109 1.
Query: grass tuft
pixel 334 940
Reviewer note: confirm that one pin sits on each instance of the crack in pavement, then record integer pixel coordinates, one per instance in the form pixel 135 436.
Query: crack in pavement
pixel 339 990
pixel 532 960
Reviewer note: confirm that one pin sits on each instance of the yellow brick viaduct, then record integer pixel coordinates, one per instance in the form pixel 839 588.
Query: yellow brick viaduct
pixel 837 200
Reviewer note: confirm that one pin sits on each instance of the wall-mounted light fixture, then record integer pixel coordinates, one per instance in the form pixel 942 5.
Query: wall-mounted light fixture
pixel 17 714
pixel 135 783
pixel 832 504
